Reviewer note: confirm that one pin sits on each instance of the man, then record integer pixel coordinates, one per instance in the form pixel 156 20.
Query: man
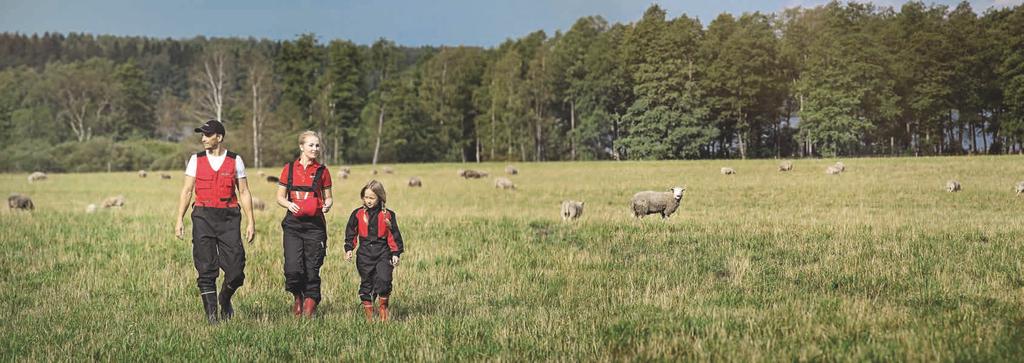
pixel 216 238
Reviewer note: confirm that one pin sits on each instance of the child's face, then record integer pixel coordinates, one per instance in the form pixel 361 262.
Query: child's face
pixel 369 198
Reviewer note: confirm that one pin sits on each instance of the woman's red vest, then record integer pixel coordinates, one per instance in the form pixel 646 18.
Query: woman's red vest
pixel 383 232
pixel 216 188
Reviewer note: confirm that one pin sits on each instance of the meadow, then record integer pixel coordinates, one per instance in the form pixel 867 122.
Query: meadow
pixel 879 263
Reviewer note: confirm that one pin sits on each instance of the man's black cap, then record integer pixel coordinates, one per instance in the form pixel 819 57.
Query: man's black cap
pixel 211 127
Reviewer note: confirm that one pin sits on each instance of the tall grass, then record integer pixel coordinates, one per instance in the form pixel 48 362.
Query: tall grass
pixel 878 263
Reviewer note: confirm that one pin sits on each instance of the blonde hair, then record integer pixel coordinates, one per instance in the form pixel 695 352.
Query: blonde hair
pixel 305 134
pixel 382 197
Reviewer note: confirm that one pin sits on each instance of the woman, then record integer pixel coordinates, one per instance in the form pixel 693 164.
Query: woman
pixel 305 191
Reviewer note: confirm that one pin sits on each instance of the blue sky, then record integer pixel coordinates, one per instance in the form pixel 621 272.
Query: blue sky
pixel 408 22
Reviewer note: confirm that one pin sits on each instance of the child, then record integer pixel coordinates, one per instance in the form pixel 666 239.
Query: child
pixel 374 229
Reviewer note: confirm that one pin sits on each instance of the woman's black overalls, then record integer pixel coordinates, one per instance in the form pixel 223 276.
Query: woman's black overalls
pixel 305 242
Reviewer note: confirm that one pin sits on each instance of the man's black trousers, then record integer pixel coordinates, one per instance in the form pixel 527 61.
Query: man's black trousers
pixel 373 261
pixel 217 244
pixel 305 245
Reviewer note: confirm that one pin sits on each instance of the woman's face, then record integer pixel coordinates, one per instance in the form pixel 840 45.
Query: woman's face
pixel 310 147
pixel 369 198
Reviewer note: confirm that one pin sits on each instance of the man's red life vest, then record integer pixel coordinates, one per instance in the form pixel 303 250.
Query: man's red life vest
pixel 216 188
pixel 383 232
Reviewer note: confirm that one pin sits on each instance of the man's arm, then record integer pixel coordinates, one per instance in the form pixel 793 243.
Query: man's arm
pixel 245 199
pixel 183 200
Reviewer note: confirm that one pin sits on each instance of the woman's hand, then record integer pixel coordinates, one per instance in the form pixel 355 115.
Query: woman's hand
pixel 348 256
pixel 394 260
pixel 292 207
pixel 328 203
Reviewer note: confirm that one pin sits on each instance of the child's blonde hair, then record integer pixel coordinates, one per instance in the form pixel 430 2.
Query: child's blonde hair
pixel 382 198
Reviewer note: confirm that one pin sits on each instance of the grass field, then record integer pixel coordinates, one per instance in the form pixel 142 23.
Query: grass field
pixel 879 263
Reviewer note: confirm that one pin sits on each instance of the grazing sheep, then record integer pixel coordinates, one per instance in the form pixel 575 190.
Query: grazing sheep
pixel 346 169
pixel 37 176
pixel 832 170
pixel 728 171
pixel 343 173
pixel 571 210
pixel 1020 188
pixel 273 179
pixel 952 186
pixel 91 208
pixel 20 202
pixel 388 170
pixel 415 182
pixel 504 183
pixel 261 173
pixel 143 174
pixel 511 170
pixel 472 174
pixel 786 166
pixel 651 202
pixel 115 201
pixel 165 176
pixel 258 204
pixel 839 165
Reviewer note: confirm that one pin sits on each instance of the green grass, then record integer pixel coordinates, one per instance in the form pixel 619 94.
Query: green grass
pixel 876 264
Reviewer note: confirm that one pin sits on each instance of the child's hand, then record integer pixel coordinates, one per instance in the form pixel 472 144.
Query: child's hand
pixel 394 260
pixel 348 256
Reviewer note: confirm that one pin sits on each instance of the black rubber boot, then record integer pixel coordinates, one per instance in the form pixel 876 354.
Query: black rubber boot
pixel 210 306
pixel 226 310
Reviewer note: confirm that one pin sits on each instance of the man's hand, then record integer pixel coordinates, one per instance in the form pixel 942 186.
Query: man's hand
pixel 250 232
pixel 348 256
pixel 179 230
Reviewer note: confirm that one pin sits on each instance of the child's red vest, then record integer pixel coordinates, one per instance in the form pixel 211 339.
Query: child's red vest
pixel 383 232
pixel 216 188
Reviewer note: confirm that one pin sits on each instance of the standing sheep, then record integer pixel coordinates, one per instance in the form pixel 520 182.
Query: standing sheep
pixel 832 170
pixel 415 182
pixel 1020 188
pixel 37 176
pixel 504 183
pixel 143 174
pixel 728 171
pixel 571 210
pixel 115 201
pixel 20 202
pixel 786 166
pixel 651 202
pixel 511 170
pixel 839 165
pixel 952 186
pixel 343 173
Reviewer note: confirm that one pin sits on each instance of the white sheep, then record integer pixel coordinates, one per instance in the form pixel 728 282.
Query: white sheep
pixel 20 202
pixel 786 166
pixel 952 186
pixel 503 183
pixel 571 210
pixel 143 174
pixel 415 182
pixel 36 176
pixel 343 173
pixel 115 201
pixel 511 170
pixel 388 170
pixel 832 170
pixel 839 165
pixel 91 208
pixel 1020 188
pixel 728 171
pixel 651 202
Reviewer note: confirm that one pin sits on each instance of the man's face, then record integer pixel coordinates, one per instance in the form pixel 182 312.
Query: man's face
pixel 211 140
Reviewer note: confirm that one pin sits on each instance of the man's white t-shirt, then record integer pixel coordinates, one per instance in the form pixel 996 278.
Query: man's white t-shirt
pixel 215 163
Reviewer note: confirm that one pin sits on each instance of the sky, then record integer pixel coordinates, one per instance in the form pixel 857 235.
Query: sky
pixel 407 22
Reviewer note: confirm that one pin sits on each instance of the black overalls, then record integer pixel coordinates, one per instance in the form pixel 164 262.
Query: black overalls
pixel 376 246
pixel 305 242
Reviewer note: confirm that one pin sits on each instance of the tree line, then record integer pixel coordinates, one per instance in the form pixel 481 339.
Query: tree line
pixel 837 79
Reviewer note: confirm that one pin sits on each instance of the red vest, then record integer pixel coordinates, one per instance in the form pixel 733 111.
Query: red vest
pixel 216 189
pixel 383 232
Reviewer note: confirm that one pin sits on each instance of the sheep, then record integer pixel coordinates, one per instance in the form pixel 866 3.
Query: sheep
pixel 1020 188
pixel 343 173
pixel 952 186
pixel 273 179
pixel 786 166
pixel 504 183
pixel 651 202
pixel 839 165
pixel 261 173
pixel 511 170
pixel 472 174
pixel 415 182
pixel 571 210
pixel 91 208
pixel 832 170
pixel 258 204
pixel 143 173
pixel 388 170
pixel 346 169
pixel 115 201
pixel 37 176
pixel 20 202
pixel 728 171
pixel 165 176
